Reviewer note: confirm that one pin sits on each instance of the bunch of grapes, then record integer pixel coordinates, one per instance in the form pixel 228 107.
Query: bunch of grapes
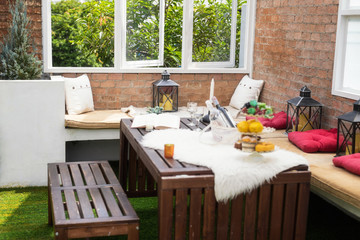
pixel 257 108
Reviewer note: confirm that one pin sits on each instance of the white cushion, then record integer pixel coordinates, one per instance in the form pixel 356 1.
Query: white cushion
pixel 248 89
pixel 78 95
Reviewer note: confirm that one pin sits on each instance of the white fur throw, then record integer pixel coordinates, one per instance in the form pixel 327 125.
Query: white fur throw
pixel 235 171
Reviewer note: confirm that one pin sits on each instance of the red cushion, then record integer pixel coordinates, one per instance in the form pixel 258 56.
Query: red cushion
pixel 277 122
pixel 316 140
pixel 349 162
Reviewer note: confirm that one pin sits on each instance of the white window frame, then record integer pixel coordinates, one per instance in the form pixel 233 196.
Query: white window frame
pixel 121 66
pixel 231 62
pixel 340 51
pixel 142 63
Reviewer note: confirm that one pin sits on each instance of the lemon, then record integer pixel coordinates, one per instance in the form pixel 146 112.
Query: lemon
pixel 251 120
pixel 255 127
pixel 243 126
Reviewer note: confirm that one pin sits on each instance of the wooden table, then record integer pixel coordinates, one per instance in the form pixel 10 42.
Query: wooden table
pixel 187 208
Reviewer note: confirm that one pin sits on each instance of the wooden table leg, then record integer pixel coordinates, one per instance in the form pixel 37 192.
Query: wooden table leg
pixel 124 148
pixel 165 210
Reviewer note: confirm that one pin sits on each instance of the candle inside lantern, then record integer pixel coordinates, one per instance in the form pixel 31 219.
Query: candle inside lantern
pixel 167 103
pixel 302 121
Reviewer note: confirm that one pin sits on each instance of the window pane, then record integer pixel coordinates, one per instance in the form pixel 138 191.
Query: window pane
pixel 82 33
pixel 142 30
pixel 173 33
pixel 211 30
pixel 354 3
pixel 352 63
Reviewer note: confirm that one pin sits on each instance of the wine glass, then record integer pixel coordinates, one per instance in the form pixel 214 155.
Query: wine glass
pixel 199 113
pixel 191 108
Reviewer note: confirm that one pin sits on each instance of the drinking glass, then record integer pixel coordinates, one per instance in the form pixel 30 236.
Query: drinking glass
pixel 198 115
pixel 191 108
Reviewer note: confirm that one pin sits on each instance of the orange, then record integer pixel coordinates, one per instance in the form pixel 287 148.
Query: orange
pixel 243 126
pixel 255 127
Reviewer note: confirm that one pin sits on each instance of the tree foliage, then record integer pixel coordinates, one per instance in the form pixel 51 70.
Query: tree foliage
pixel 83 33
pixel 17 61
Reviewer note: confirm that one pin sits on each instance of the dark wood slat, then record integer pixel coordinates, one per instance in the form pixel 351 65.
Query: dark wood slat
pixel 291 177
pixel 236 217
pixel 209 214
pixel 65 175
pixel 96 221
pixel 132 170
pixel 123 158
pixel 180 213
pixel 184 123
pixel 84 204
pixel 289 211
pixel 149 181
pixel 76 175
pixel 53 175
pixel 165 217
pixel 58 206
pixel 195 213
pixel 141 176
pixel 263 211
pixel 99 203
pixel 98 175
pixel 277 200
pixel 109 173
pixel 223 220
pixel 125 206
pixel 99 232
pixel 250 215
pixel 302 211
pixel 171 162
pixel 184 182
pixel 111 204
pixel 88 175
pixel 71 204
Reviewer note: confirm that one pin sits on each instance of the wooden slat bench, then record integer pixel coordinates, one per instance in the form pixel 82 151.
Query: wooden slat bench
pixel 86 200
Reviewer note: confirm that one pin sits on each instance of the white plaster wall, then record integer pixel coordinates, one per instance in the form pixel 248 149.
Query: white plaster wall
pixel 31 130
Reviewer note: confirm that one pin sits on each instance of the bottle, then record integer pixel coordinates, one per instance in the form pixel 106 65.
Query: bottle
pixel 214 115
pixel 228 119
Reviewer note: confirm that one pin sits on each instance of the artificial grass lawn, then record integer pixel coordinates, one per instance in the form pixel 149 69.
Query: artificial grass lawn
pixel 23 215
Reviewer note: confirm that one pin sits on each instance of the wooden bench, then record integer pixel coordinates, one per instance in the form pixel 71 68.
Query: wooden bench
pixel 86 200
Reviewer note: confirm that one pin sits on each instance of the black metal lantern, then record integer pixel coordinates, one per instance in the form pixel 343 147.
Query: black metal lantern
pixel 303 112
pixel 165 93
pixel 348 133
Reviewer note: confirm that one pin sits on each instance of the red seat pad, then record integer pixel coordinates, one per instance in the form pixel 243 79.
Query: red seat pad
pixel 277 122
pixel 349 162
pixel 316 140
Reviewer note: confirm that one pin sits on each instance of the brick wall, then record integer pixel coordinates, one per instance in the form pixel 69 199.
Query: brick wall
pixel 34 13
pixel 113 91
pixel 295 46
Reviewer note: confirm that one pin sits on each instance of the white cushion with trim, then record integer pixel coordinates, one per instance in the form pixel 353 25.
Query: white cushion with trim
pixel 248 89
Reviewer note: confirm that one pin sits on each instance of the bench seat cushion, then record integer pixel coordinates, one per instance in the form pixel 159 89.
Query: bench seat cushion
pixel 96 119
pixel 349 162
pixel 316 140
pixel 336 183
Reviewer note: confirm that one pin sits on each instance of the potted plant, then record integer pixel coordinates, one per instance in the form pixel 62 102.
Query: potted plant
pixel 31 110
